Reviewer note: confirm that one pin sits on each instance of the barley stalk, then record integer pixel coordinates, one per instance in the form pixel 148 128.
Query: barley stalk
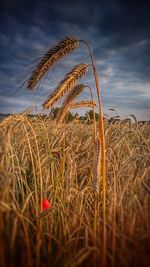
pixel 96 166
pixel 102 142
pixel 66 84
pixel 54 54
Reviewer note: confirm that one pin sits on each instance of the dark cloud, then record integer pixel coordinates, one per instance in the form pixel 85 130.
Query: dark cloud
pixel 118 32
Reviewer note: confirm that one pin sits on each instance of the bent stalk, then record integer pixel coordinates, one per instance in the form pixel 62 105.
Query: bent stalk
pixel 102 142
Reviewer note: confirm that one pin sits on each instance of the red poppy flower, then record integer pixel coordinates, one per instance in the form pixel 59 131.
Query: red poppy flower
pixel 46 205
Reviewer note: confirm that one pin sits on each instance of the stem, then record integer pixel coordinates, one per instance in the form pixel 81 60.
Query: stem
pixel 94 119
pixel 102 142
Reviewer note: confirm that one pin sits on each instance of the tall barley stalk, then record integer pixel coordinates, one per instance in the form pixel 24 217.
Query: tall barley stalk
pixel 102 142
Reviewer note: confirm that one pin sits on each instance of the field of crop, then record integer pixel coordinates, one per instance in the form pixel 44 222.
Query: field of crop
pixel 39 161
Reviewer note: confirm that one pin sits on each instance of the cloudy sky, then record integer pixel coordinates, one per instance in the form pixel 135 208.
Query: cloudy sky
pixel 118 32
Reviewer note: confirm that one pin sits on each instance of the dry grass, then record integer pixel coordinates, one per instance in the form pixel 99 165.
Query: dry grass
pixel 37 161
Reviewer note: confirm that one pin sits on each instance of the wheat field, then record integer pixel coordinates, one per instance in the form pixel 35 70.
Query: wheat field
pixel 39 161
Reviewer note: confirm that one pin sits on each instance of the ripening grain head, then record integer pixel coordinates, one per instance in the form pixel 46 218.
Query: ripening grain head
pixel 81 104
pixel 63 48
pixel 66 84
pixel 71 96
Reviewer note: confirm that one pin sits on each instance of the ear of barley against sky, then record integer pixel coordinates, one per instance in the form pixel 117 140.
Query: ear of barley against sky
pixel 118 32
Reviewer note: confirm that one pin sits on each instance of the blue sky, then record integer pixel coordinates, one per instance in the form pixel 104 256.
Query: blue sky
pixel 118 32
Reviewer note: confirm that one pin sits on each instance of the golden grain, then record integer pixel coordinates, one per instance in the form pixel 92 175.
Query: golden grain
pixel 66 84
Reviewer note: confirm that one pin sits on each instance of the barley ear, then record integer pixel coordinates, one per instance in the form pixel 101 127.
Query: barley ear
pixel 71 96
pixel 63 48
pixel 66 84
pixel 88 104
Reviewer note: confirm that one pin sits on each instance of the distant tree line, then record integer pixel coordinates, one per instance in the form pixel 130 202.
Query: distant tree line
pixel 70 116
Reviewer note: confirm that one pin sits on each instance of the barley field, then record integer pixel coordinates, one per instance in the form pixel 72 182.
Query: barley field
pixel 39 161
